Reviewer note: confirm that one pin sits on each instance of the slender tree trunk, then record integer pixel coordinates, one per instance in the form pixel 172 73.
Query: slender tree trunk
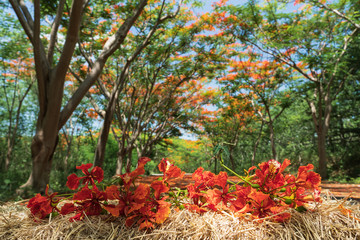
pixel 68 153
pixel 272 140
pixel 138 151
pixel 105 129
pixel 215 165
pixel 10 139
pixel 8 155
pixel 231 157
pixel 101 144
pixel 12 131
pixel 257 144
pixel 129 160
pixel 119 163
pixel 321 120
pixel 322 155
pixel 123 153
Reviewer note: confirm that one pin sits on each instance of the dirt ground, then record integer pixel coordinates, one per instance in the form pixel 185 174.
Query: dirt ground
pixel 336 189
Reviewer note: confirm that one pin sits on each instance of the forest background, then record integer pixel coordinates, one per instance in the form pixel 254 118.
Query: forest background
pixel 107 82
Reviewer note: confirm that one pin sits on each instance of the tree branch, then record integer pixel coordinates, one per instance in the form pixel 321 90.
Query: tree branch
pixel 26 23
pixel 71 39
pixel 54 30
pixel 112 44
pixel 323 5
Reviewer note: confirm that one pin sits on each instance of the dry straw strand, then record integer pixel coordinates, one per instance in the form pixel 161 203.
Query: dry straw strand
pixel 323 221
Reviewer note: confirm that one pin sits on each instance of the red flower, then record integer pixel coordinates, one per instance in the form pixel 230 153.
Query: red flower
pixel 138 199
pixel 162 209
pixel 113 193
pixel 89 201
pixel 41 206
pixel 67 208
pixel 129 178
pixel 261 204
pixel 217 199
pixel 160 187
pixel 140 168
pixel 203 179
pixel 270 175
pixel 169 170
pixel 96 174
pixel 221 179
pixel 146 210
pixel 196 208
pixel 308 179
pixel 241 198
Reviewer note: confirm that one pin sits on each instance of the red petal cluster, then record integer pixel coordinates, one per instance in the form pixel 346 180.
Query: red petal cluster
pixel 96 174
pixel 267 193
pixel 42 206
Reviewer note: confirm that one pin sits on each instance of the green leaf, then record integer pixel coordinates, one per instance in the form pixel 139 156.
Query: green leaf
pixel 301 209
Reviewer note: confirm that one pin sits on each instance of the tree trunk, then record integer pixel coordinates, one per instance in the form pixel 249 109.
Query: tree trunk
pixel 257 144
pixel 128 162
pixel 42 151
pixel 272 140
pixel 119 163
pixel 322 155
pixel 10 140
pixel 8 156
pixel 68 153
pixel 104 132
pixel 231 157
pixel 321 113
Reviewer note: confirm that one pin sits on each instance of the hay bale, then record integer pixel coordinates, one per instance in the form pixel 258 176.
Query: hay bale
pixel 324 221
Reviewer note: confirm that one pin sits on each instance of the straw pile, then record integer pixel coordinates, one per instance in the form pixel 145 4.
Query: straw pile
pixel 326 221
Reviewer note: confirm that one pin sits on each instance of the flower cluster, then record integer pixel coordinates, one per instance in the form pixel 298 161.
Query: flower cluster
pixel 144 204
pixel 267 193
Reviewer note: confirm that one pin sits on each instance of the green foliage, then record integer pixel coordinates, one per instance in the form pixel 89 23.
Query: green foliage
pixel 188 154
pixel 18 171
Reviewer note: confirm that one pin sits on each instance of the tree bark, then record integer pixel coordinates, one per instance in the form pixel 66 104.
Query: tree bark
pixel 129 160
pixel 231 158
pixel 322 155
pixel 272 140
pixel 257 144
pixel 321 120
pixel 119 163
pixel 42 151
pixel 104 132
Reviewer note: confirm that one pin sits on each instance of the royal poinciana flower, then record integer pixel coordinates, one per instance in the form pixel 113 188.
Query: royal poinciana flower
pixel 270 175
pixel 159 187
pixel 129 178
pixel 308 179
pixel 95 174
pixel 169 170
pixel 149 212
pixel 41 206
pixel 218 199
pixel 203 179
pixel 86 202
